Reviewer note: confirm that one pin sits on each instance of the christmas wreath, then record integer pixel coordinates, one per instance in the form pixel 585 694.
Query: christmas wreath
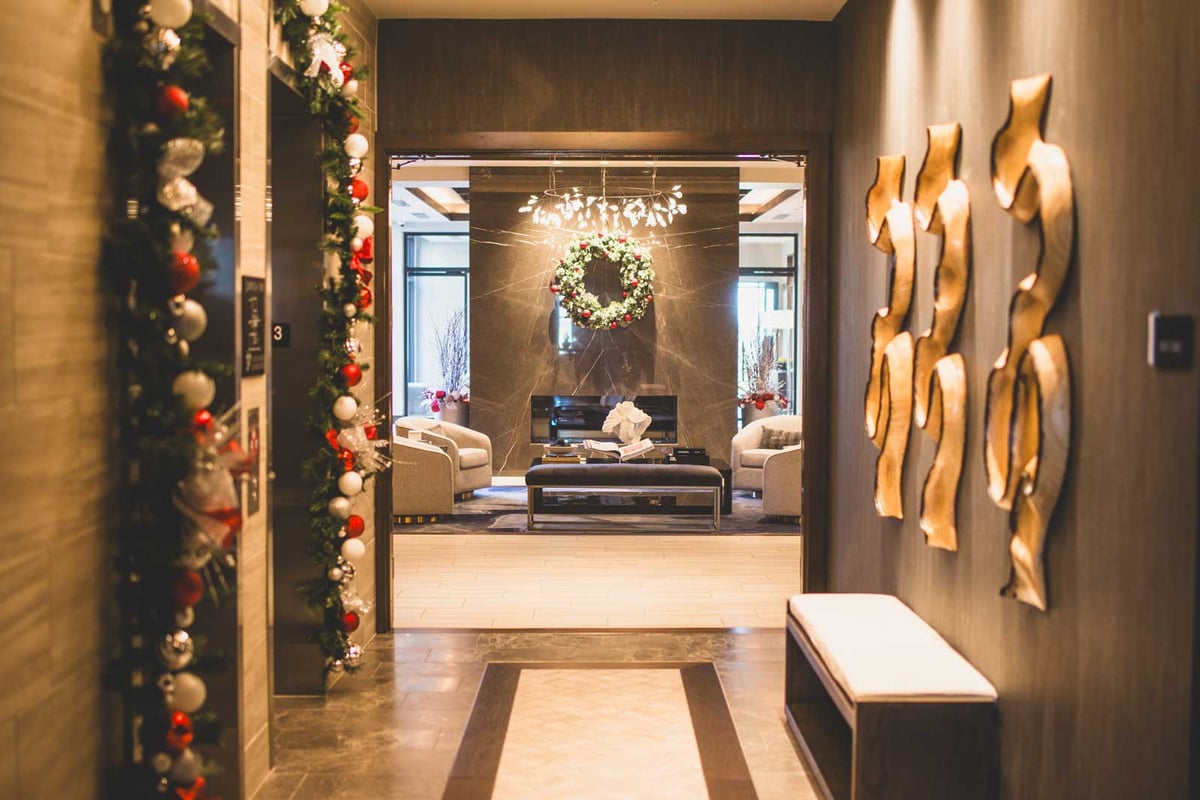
pixel 637 282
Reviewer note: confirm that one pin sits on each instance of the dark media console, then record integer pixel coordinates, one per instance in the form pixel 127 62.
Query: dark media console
pixel 573 418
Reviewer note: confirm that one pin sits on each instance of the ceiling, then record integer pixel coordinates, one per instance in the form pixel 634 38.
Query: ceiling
pixel 821 10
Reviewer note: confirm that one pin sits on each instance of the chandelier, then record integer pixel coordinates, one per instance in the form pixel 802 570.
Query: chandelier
pixel 594 207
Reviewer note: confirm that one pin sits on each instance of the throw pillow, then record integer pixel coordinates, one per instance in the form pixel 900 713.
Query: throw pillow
pixel 778 438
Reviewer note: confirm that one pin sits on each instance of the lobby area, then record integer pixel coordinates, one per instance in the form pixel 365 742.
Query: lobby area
pixel 640 400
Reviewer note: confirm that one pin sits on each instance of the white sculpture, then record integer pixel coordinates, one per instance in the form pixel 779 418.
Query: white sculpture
pixel 627 421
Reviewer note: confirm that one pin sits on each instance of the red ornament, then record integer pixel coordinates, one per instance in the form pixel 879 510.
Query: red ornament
pixel 612 324
pixel 554 288
pixel 435 406
pixel 364 297
pixel 181 733
pixel 352 374
pixel 202 418
pixel 649 298
pixel 355 525
pixel 359 191
pixel 370 431
pixel 629 317
pixel 637 256
pixel 624 294
pixel 172 101
pixel 586 314
pixel 350 622
pixel 347 71
pixel 367 251
pixel 347 459
pixel 183 274
pixel 633 282
pixel 187 587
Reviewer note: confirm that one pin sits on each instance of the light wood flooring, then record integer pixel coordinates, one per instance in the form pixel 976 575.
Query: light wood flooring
pixel 593 581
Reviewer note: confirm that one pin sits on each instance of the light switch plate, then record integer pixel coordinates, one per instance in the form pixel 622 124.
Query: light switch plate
pixel 1171 340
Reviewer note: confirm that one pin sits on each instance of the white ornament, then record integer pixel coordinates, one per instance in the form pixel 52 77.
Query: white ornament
pixel 356 145
pixel 171 13
pixel 339 507
pixel 314 8
pixel 350 310
pixel 356 244
pixel 350 88
pixel 187 693
pixel 353 549
pixel 191 320
pixel 364 226
pixel 334 574
pixel 345 407
pixel 350 484
pixel 196 389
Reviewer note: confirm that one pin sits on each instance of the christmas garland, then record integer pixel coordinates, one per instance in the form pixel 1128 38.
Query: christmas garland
pixel 177 493
pixel 637 276
pixel 349 450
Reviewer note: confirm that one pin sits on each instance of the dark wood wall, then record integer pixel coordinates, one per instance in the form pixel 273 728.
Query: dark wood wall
pixel 1096 694
pixel 452 76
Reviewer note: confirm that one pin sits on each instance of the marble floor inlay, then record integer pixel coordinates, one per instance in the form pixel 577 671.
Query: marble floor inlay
pixel 394 729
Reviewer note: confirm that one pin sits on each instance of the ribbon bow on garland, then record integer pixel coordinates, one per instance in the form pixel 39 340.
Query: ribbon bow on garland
pixel 347 455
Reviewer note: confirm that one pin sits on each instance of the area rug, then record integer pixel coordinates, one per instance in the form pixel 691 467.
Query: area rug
pixel 501 509
pixel 543 731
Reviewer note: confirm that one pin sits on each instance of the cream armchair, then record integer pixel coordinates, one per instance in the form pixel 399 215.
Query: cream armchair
pixel 446 461
pixel 778 474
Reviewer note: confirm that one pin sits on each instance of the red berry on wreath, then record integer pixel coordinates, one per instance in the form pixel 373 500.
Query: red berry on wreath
pixel 586 314
pixel 554 288
pixel 187 587
pixel 637 256
pixel 347 71
pixel 352 374
pixel 612 324
pixel 364 297
pixel 629 317
pixel 649 298
pixel 621 239
pixel 350 622
pixel 172 101
pixel 359 189
pixel 355 525
pixel 184 273
pixel 633 282
pixel 624 294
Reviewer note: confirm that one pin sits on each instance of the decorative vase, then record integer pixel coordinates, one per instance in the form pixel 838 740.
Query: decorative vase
pixel 752 412
pixel 455 413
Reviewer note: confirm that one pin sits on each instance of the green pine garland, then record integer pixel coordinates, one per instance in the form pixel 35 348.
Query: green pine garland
pixel 339 112
pixel 149 72
pixel 637 282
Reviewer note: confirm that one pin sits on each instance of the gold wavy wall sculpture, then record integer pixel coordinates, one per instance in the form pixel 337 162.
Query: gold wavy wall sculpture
pixel 888 404
pixel 1027 425
pixel 942 206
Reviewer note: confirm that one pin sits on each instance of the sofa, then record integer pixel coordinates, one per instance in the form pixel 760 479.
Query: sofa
pixel 438 463
pixel 776 472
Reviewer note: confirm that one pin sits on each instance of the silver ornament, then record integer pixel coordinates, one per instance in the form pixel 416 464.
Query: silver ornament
pixel 353 656
pixel 163 46
pixel 180 157
pixel 186 768
pixel 177 650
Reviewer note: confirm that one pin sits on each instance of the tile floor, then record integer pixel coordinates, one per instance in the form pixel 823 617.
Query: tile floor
pixel 593 581
pixel 392 730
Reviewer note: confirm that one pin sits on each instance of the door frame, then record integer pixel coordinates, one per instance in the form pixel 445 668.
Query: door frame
pixel 814 147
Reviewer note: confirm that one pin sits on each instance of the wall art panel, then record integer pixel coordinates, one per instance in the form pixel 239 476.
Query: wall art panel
pixel 942 206
pixel 1027 425
pixel 888 403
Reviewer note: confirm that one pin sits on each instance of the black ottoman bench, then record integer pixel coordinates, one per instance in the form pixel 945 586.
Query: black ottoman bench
pixel 618 479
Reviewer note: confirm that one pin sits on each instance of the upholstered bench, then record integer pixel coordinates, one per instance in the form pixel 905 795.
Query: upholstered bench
pixel 882 706
pixel 614 478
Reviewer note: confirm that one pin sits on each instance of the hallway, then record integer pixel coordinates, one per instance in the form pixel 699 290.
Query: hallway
pixel 393 729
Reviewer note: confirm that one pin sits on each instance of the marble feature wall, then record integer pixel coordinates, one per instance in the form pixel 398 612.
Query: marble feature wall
pixel 686 345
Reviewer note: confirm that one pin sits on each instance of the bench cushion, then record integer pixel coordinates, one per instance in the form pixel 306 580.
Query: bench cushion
pixel 599 475
pixel 877 649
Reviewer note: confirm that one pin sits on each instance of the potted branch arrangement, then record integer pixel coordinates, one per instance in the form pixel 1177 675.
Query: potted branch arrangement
pixel 760 393
pixel 451 400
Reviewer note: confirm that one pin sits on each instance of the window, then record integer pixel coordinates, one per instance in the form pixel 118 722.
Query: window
pixel 767 304
pixel 436 270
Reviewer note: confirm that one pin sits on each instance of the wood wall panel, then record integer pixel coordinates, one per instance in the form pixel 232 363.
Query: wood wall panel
pixel 452 76
pixel 1095 695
